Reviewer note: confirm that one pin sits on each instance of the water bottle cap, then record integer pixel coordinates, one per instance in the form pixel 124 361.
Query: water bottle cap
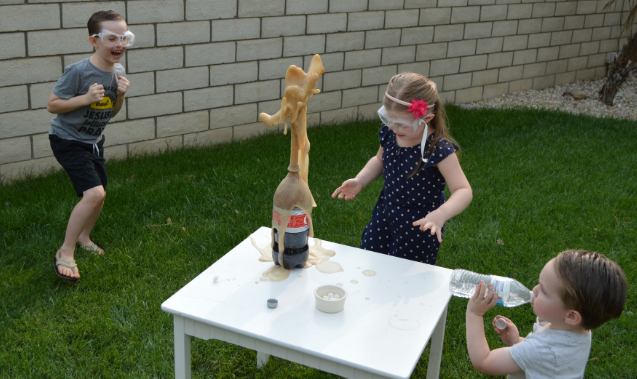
pixel 532 297
pixel 501 323
pixel 273 303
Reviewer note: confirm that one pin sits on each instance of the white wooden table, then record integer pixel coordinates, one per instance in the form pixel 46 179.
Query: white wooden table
pixel 387 321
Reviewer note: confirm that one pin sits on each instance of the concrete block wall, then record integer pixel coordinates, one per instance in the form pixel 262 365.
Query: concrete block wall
pixel 202 70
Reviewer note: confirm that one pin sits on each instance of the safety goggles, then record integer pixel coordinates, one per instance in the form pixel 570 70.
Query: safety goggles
pixel 404 125
pixel 112 39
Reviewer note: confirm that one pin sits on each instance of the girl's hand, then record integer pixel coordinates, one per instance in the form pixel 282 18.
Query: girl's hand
pixel 95 93
pixel 510 335
pixel 348 190
pixel 122 85
pixel 482 300
pixel 432 221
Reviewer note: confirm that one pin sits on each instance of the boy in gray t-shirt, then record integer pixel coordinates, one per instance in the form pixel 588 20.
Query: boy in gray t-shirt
pixel 578 291
pixel 86 123
pixel 84 99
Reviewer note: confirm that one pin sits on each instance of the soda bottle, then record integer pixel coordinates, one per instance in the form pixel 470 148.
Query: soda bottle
pixel 296 249
pixel 511 293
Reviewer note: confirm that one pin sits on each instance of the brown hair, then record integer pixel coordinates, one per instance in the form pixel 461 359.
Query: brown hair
pixel 593 285
pixel 94 23
pixel 409 86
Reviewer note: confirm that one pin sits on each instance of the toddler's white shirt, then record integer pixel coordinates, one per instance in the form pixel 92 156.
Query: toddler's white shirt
pixel 551 354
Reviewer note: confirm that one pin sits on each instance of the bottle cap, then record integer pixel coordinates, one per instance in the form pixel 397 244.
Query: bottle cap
pixel 273 303
pixel 501 323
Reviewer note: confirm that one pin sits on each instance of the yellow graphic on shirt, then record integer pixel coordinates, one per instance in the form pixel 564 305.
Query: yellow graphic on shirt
pixel 106 103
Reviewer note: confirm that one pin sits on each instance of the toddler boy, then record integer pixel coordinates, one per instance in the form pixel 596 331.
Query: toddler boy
pixel 578 291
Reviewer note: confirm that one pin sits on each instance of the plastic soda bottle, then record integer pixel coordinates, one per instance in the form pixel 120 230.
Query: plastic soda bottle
pixel 511 293
pixel 296 249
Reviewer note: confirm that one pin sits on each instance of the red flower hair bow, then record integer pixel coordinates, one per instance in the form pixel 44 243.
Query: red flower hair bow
pixel 418 108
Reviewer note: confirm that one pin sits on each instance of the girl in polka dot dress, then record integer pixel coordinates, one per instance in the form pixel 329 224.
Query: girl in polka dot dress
pixel 417 157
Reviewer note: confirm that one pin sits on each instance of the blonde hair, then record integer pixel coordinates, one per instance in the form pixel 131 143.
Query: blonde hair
pixel 408 86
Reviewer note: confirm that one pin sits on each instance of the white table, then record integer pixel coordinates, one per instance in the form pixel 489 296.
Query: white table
pixel 381 333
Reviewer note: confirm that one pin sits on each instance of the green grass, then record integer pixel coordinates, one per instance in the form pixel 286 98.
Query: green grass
pixel 543 182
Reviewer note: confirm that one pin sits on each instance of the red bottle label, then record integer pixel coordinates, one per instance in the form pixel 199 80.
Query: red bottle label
pixel 297 221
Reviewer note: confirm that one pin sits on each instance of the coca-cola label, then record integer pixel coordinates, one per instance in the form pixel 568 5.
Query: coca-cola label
pixel 298 220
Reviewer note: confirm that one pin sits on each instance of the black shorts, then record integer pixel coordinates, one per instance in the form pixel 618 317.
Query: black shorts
pixel 85 167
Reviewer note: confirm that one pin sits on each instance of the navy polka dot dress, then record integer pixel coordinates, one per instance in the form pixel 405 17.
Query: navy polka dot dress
pixel 403 201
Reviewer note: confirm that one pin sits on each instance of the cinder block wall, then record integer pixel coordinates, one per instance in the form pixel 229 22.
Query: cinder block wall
pixel 202 70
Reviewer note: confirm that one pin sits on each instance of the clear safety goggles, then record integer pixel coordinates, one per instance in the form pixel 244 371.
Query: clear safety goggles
pixel 112 39
pixel 405 125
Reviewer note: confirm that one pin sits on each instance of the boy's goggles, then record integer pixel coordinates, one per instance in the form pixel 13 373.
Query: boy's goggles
pixel 113 39
pixel 405 125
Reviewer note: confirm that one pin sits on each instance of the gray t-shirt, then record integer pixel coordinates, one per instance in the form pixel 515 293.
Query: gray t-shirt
pixel 87 123
pixel 548 353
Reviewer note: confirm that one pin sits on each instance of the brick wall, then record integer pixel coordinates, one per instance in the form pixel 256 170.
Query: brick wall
pixel 202 70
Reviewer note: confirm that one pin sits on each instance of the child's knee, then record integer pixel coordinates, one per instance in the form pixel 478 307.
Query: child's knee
pixel 95 195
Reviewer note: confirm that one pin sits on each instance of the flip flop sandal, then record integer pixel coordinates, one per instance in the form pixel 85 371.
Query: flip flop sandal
pixel 65 263
pixel 92 248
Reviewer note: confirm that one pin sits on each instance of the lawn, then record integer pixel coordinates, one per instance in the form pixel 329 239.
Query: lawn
pixel 543 182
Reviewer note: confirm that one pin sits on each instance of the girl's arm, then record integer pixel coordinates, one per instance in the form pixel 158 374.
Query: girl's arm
pixel 461 196
pixel 58 105
pixel 498 361
pixel 372 170
pixel 352 187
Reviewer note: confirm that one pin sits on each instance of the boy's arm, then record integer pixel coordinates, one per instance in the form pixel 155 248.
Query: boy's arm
pixel 122 87
pixel 496 362
pixel 58 105
pixel 118 105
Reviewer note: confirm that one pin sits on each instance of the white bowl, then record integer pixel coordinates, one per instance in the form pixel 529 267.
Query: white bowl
pixel 330 306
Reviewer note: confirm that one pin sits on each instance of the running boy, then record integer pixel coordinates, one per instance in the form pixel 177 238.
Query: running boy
pixel 84 99
pixel 578 291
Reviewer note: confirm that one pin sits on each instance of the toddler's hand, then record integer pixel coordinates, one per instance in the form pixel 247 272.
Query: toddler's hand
pixel 95 93
pixel 432 221
pixel 482 300
pixel 122 85
pixel 348 190
pixel 510 335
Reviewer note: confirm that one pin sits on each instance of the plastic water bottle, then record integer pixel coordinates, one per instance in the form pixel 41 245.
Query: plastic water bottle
pixel 511 293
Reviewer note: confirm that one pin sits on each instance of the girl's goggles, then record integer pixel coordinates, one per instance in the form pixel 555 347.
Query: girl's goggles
pixel 405 125
pixel 113 39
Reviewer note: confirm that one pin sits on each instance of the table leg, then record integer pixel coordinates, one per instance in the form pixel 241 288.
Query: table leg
pixel 182 349
pixel 262 359
pixel 435 350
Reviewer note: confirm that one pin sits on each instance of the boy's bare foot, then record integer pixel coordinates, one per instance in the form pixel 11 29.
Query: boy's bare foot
pixel 90 246
pixel 65 267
